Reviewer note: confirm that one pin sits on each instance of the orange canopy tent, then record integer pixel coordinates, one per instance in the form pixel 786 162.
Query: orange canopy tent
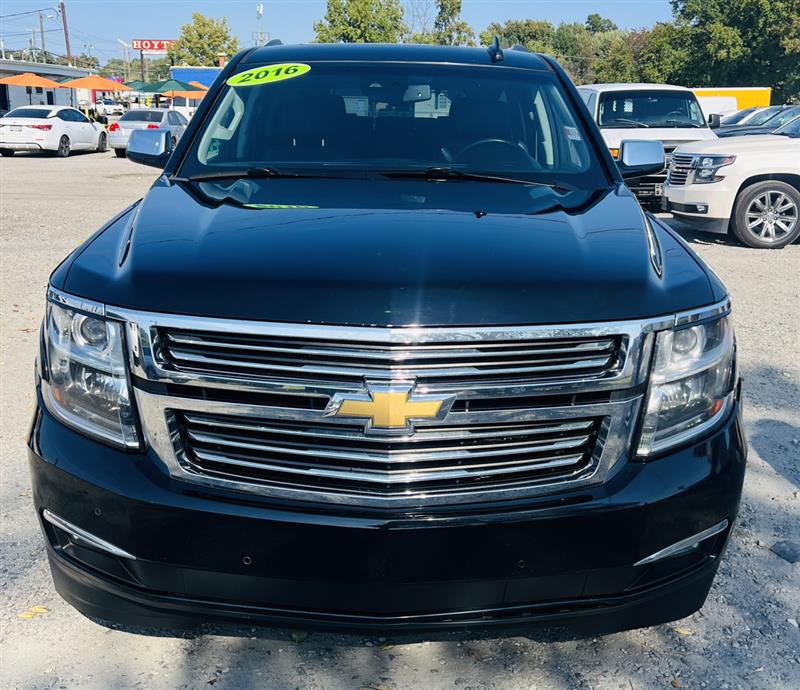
pixel 31 80
pixel 198 85
pixel 96 83
pixel 189 95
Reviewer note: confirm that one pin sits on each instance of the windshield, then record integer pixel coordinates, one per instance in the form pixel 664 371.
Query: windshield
pixel 642 108
pixel 792 129
pixel 142 116
pixel 737 117
pixel 764 115
pixel 784 116
pixel 356 118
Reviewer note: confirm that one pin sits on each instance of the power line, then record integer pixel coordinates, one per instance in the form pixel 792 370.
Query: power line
pixel 22 14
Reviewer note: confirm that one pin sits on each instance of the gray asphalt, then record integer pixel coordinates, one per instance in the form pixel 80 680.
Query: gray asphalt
pixel 745 637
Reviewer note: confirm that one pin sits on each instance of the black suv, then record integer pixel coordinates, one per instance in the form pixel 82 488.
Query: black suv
pixel 389 345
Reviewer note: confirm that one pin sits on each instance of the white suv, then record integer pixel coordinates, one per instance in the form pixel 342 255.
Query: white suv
pixel 750 184
pixel 661 112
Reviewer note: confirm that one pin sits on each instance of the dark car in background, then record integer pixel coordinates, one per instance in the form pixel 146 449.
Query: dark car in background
pixel 389 345
pixel 778 116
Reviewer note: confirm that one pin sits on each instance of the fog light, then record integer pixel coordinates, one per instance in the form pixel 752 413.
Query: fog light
pixel 701 208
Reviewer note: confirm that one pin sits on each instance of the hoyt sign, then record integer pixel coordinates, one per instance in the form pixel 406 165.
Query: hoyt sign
pixel 154 44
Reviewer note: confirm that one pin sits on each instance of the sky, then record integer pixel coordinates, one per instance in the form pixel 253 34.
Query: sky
pixel 99 23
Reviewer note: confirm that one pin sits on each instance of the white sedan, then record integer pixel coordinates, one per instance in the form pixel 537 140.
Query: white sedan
pixel 50 128
pixel 748 184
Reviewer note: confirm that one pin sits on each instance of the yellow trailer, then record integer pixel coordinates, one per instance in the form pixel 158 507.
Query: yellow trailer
pixel 746 96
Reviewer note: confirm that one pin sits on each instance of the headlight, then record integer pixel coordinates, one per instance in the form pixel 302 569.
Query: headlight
pixel 86 383
pixel 706 167
pixel 691 385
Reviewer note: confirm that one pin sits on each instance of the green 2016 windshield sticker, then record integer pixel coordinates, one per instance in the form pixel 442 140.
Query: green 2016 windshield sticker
pixel 269 74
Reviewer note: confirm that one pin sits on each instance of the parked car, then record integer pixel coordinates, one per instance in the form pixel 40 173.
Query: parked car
pixel 107 106
pixel 748 185
pixel 659 112
pixel 388 345
pixel 740 117
pixel 782 117
pixel 144 118
pixel 49 128
pixel 755 120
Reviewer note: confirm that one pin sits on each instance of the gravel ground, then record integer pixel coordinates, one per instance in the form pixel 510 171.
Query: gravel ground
pixel 745 637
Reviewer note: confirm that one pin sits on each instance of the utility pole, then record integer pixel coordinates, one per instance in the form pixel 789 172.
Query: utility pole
pixel 126 58
pixel 66 31
pixel 33 44
pixel 41 33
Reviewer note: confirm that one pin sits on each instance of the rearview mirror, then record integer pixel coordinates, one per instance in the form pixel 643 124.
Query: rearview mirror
pixel 638 158
pixel 150 147
pixel 714 120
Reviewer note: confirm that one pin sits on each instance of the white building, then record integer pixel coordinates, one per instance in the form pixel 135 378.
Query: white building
pixel 16 96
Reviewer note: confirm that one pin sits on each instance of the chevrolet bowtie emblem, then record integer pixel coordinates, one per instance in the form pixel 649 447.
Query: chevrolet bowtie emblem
pixel 389 408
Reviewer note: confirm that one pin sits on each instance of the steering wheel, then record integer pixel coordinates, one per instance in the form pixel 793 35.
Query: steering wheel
pixel 518 149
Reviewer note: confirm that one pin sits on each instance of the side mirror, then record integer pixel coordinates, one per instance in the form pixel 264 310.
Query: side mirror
pixel 150 147
pixel 714 120
pixel 638 158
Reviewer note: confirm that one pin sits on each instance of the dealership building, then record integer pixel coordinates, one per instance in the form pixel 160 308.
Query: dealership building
pixel 16 96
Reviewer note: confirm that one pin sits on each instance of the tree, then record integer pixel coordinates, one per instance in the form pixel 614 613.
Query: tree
pixel 598 25
pixel 202 41
pixel 661 53
pixel 361 21
pixel 615 61
pixel 534 34
pixel 448 27
pixel 574 49
pixel 742 43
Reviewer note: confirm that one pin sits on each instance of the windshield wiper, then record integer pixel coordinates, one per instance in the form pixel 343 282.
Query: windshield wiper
pixel 444 173
pixel 613 122
pixel 260 172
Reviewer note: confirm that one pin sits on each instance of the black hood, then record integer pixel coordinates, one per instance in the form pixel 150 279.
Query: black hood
pixel 374 252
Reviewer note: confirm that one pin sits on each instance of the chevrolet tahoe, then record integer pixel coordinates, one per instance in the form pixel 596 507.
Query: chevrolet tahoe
pixel 388 345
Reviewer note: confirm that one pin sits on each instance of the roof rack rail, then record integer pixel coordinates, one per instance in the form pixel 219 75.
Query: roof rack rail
pixel 274 42
pixel 495 51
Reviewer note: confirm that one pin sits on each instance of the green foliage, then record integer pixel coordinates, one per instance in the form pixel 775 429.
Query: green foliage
pixel 202 41
pixel 448 27
pixel 615 59
pixel 534 34
pixel 598 25
pixel 361 21
pixel 741 43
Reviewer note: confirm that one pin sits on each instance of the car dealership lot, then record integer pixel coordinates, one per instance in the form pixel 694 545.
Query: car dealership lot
pixel 744 637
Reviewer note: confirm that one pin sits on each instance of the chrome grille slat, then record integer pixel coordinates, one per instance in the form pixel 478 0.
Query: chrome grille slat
pixel 396 371
pixel 679 169
pixel 444 454
pixel 423 434
pixel 400 476
pixel 395 353
pixel 267 357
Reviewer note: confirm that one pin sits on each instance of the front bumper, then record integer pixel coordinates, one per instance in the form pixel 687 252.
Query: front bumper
pixel 563 559
pixel 716 200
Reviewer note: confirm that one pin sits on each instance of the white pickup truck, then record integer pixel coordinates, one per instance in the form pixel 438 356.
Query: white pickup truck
pixel 669 114
pixel 748 184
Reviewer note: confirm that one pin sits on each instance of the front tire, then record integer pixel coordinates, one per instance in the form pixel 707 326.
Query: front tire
pixel 767 215
pixel 119 153
pixel 102 143
pixel 63 147
pixel 6 152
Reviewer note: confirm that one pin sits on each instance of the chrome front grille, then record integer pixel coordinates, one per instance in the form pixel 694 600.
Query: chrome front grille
pixel 308 360
pixel 445 458
pixel 679 169
pixel 255 407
